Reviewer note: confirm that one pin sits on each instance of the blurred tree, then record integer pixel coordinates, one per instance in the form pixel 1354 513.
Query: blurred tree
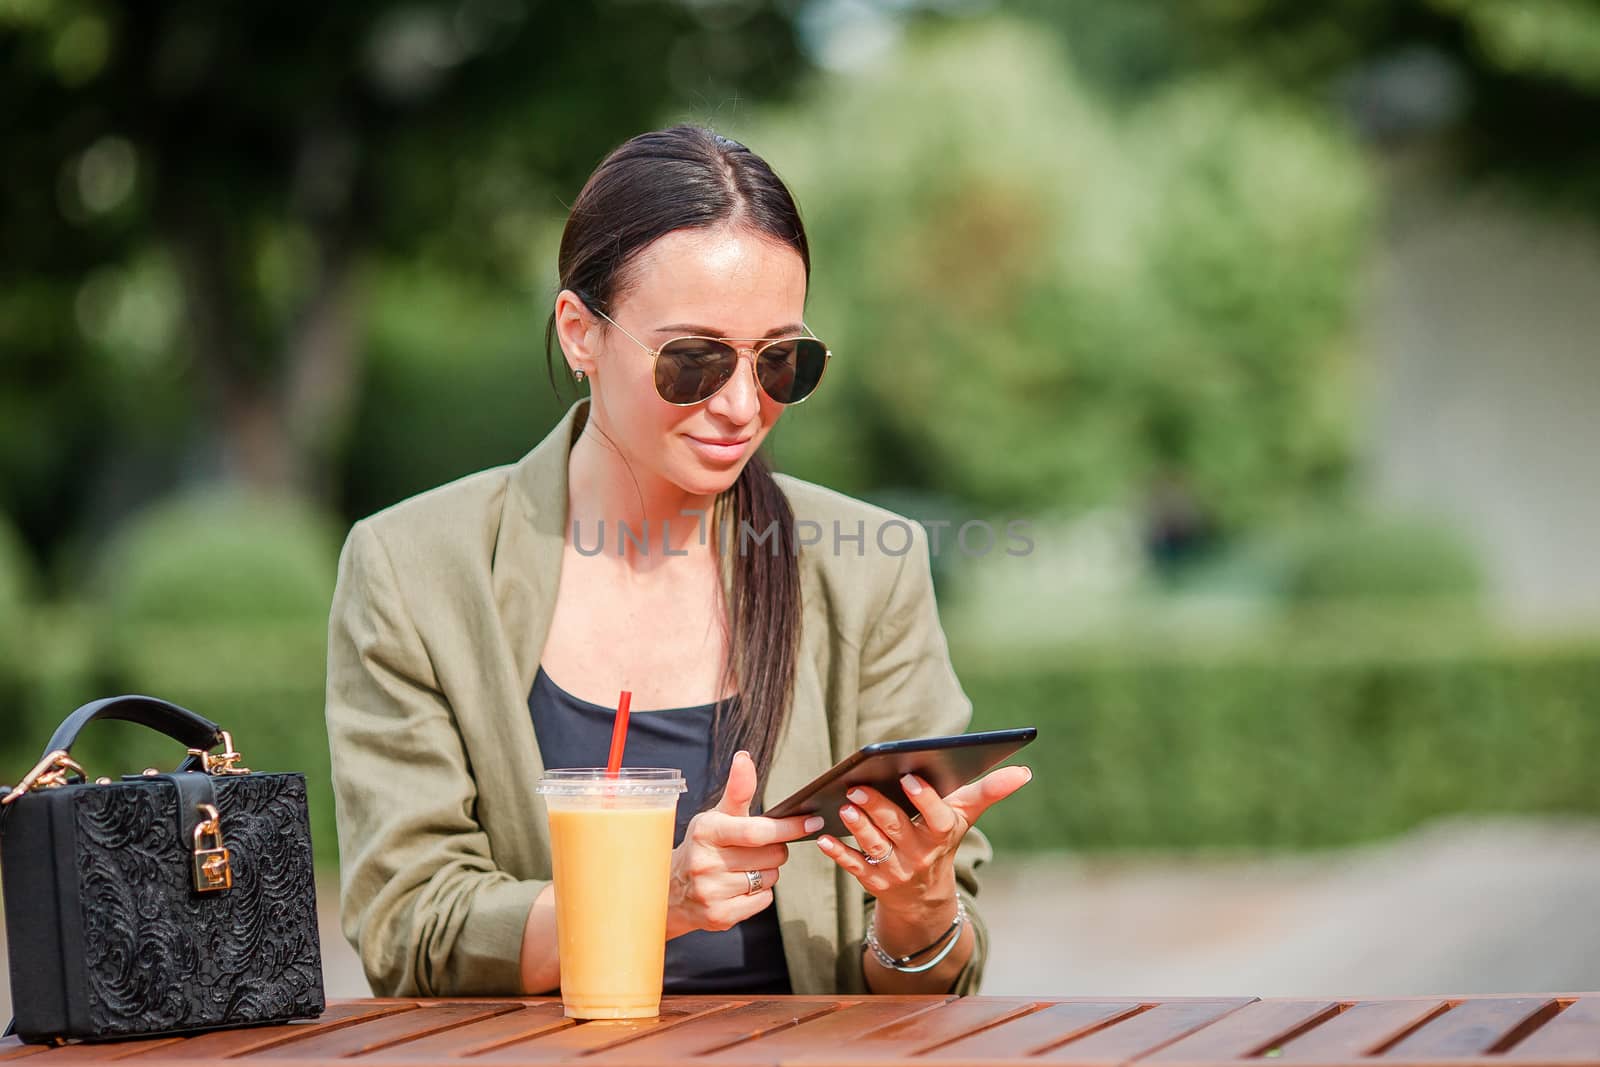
pixel 192 192
pixel 1514 84
pixel 1037 304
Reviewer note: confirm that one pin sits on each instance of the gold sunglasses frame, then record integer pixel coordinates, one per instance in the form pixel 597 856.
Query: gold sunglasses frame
pixel 760 345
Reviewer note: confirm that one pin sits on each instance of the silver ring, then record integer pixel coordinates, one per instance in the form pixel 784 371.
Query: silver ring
pixel 754 878
pixel 875 860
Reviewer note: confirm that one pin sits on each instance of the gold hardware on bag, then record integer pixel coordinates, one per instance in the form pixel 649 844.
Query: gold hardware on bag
pixel 213 867
pixel 50 773
pixel 227 763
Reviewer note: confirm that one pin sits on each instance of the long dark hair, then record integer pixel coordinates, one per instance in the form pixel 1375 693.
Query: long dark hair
pixel 683 178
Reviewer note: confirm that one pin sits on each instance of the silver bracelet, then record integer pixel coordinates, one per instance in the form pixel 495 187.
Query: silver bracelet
pixel 902 963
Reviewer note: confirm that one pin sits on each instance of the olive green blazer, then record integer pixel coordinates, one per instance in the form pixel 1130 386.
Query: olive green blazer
pixel 438 622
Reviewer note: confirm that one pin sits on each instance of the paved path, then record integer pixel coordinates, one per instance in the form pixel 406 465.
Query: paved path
pixel 1461 907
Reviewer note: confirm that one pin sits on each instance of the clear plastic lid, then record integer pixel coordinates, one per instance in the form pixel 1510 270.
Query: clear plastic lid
pixel 627 782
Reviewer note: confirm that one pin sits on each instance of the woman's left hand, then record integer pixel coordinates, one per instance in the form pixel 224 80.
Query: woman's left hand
pixel 908 863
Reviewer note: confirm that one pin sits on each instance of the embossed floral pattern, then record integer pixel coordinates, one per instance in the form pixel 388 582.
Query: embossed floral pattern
pixel 158 955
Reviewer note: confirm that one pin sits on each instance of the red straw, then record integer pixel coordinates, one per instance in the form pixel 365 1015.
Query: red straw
pixel 619 734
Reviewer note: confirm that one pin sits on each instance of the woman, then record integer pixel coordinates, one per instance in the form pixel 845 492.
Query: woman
pixel 481 631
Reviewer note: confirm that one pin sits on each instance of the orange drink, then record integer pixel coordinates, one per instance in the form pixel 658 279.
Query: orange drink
pixel 611 847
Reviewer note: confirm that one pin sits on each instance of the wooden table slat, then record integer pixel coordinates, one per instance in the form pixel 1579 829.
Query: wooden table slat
pixel 1547 1030
pixel 371 1034
pixel 102 1051
pixel 219 1043
pixel 224 1044
pixel 476 1038
pixel 718 1030
pixel 1049 1026
pixel 1359 1029
pixel 837 1029
pixel 565 1043
pixel 1572 1034
pixel 1145 1033
pixel 924 1030
pixel 1471 1028
pixel 1252 1029
pixel 12 1048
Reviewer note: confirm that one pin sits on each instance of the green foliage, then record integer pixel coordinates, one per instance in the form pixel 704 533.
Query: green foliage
pixel 1267 749
pixel 16 572
pixel 1253 237
pixel 1031 306
pixel 1513 87
pixel 1334 561
pixel 48 666
pixel 457 382
pixel 1558 39
pixel 192 195
pixel 16 594
pixel 1379 560
pixel 221 557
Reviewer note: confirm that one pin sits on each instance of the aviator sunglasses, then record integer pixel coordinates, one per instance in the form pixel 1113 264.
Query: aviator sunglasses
pixel 692 370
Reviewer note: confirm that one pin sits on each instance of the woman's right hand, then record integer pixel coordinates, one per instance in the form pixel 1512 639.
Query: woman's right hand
pixel 710 887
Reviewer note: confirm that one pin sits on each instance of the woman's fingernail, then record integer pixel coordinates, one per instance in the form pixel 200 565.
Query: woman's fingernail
pixel 910 784
pixel 813 824
pixel 857 795
pixel 849 814
pixel 1030 773
pixel 826 844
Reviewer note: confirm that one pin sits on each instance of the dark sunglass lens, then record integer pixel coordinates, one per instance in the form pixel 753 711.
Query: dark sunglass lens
pixel 790 370
pixel 691 369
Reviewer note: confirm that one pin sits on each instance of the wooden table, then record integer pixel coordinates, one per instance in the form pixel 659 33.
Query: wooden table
pixel 1517 1031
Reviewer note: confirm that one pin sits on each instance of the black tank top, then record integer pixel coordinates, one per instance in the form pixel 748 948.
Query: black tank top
pixel 575 733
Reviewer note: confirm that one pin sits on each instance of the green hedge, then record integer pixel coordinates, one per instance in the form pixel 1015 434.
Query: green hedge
pixel 1300 749
pixel 1311 745
pixel 220 557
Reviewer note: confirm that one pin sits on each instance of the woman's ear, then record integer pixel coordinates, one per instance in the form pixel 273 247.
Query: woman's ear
pixel 578 330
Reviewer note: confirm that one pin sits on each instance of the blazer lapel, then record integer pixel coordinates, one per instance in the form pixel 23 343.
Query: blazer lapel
pixel 525 575
pixel 527 556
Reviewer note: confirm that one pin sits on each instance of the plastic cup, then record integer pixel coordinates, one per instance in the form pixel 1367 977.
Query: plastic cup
pixel 611 846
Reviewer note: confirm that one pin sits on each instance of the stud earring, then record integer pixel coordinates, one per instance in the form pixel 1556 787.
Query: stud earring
pixel 577 375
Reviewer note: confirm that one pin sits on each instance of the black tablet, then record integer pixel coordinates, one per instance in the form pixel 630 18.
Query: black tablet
pixel 945 763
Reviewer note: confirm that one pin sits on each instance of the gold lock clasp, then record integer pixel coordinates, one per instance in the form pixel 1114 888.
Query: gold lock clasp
pixel 213 867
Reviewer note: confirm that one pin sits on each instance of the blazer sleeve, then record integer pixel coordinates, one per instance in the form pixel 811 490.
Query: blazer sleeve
pixel 421 900
pixel 909 689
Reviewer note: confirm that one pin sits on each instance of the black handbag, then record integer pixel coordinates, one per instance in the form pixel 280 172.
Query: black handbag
pixel 157 903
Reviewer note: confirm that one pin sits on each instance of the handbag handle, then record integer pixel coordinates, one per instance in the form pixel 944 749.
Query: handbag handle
pixel 180 724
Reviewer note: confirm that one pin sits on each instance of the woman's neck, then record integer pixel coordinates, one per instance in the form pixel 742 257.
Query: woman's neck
pixel 629 513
